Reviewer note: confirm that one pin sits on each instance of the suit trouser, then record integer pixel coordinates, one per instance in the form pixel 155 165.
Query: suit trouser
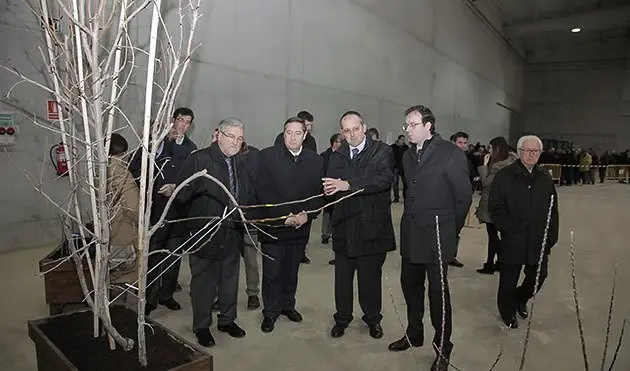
pixel 280 277
pixel 369 271
pixel 412 278
pixel 327 223
pixel 164 266
pixel 250 257
pixel 509 295
pixel 208 275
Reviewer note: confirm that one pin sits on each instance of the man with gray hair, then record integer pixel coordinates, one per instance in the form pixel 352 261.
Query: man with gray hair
pixel 214 263
pixel 519 204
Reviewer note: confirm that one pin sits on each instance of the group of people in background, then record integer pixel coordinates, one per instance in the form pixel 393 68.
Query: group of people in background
pixel 355 177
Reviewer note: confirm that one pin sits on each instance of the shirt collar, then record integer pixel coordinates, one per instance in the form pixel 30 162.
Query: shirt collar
pixel 297 153
pixel 360 146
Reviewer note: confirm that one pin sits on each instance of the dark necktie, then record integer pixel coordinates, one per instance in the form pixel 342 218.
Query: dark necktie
pixel 355 152
pixel 233 189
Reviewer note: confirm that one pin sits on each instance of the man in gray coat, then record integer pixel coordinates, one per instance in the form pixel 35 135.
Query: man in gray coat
pixel 436 171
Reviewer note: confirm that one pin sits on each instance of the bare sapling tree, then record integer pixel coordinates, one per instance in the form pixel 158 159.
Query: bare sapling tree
pixel 89 69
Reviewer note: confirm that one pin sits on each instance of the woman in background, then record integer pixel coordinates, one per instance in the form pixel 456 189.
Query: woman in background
pixel 498 158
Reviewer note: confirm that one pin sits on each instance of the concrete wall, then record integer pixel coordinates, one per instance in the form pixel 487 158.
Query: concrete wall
pixel 262 61
pixel 582 94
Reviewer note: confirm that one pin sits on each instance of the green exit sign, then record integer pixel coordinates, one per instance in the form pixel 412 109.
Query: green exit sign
pixel 7 119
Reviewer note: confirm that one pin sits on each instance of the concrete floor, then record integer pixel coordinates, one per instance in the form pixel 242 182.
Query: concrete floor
pixel 598 215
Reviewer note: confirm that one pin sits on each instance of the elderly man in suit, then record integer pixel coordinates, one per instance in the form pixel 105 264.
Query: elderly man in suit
pixel 438 185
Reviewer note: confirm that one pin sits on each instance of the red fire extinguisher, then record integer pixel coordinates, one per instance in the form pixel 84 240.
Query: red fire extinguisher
pixel 59 161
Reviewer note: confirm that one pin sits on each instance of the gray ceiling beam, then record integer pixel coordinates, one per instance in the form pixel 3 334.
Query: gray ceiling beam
pixel 593 20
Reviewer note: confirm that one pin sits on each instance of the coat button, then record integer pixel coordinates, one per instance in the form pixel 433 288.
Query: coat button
pixel 413 198
pixel 413 181
pixel 413 216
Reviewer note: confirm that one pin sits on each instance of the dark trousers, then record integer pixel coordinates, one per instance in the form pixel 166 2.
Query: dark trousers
pixel 280 277
pixel 369 271
pixel 412 278
pixel 208 275
pixel 166 267
pixel 509 295
pixel 493 243
pixel 399 176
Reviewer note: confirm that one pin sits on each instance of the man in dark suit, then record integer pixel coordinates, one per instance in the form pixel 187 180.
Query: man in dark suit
pixel 288 171
pixel 309 142
pixel 214 260
pixel 519 204
pixel 170 157
pixel 438 185
pixel 399 147
pixel 362 225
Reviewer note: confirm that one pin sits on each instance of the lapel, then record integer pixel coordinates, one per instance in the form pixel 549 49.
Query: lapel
pixel 430 147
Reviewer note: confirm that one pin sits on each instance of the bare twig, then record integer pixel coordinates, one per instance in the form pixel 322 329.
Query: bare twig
pixel 623 328
pixel 543 252
pixel 608 323
pixel 576 301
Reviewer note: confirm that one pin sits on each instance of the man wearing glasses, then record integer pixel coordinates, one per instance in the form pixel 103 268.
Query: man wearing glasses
pixel 214 260
pixel 438 186
pixel 519 205
pixel 363 232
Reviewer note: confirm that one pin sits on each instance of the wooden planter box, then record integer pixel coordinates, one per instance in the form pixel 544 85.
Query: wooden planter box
pixel 65 342
pixel 62 285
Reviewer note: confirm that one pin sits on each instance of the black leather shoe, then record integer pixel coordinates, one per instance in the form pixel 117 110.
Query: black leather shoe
pixel 376 331
pixel 456 263
pixel 306 260
pixel 293 315
pixel 331 262
pixel 253 302
pixel 403 344
pixel 267 325
pixel 487 269
pixel 440 364
pixel 521 308
pixel 325 240
pixel 149 308
pixel 232 329
pixel 205 338
pixel 338 331
pixel 511 323
pixel 171 304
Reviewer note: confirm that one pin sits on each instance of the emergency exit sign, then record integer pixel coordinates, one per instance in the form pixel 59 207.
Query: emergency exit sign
pixel 53 23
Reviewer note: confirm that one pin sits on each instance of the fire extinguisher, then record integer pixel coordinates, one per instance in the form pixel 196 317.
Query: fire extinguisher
pixel 59 161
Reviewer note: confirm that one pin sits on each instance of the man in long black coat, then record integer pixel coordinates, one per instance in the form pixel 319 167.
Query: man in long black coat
pixel 215 259
pixel 519 205
pixel 438 185
pixel 362 225
pixel 289 171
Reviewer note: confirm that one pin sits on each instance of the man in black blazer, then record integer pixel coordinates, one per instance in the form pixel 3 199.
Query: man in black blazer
pixel 519 204
pixel 288 171
pixel 438 185
pixel 363 232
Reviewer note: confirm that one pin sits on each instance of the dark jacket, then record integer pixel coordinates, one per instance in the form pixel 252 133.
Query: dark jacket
pixel 163 174
pixel 249 158
pixel 282 178
pixel 204 198
pixel 518 205
pixel 362 224
pixel 309 141
pixel 438 184
pixel 399 151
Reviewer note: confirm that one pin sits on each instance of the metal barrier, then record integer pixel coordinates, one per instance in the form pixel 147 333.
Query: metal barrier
pixel 618 172
pixel 555 170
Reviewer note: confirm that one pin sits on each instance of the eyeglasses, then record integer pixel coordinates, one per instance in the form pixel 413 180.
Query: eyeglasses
pixel 411 125
pixel 530 151
pixel 232 137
